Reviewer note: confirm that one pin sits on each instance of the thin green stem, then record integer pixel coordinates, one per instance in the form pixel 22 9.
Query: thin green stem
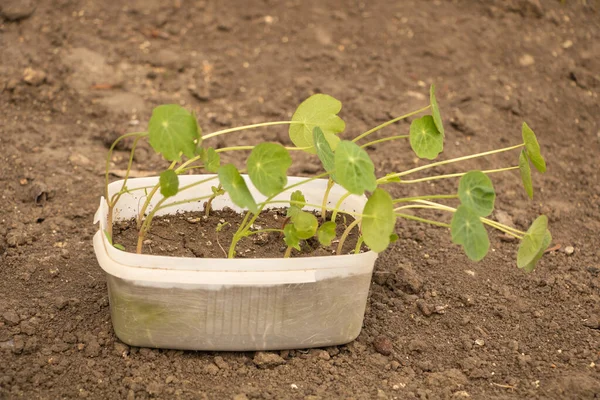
pixel 330 184
pixel 447 176
pixel 241 128
pixel 359 243
pixel 453 160
pixel 419 206
pixel 288 252
pixel 149 198
pixel 110 152
pixel 250 233
pixel 378 127
pixel 435 196
pixel 345 235
pixel 419 219
pixel 338 205
pixel 386 139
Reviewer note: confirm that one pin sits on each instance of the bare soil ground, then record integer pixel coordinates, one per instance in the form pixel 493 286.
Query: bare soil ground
pixel 74 74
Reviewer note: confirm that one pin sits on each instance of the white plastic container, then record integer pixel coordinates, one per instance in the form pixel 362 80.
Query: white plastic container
pixel 231 304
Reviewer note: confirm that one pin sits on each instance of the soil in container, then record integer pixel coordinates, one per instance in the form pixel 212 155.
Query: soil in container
pixel 192 234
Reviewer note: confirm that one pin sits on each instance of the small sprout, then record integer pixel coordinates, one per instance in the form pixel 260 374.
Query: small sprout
pixel 297 202
pixel 378 220
pixel 267 167
pixel 305 224
pixel 468 230
pixel 234 184
pixel 318 110
pixel 534 243
pixel 354 169
pixel 210 158
pixel 169 183
pixel 222 225
pixel 391 178
pixel 435 110
pixel 119 246
pixel 326 233
pixel 476 191
pixel 174 131
pixel 533 148
pixel 525 173
pixel 425 138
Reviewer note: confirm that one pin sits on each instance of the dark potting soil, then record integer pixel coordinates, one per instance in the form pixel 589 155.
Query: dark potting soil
pixel 192 234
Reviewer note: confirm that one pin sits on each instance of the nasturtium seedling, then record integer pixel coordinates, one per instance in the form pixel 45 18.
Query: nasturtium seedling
pixel 318 110
pixel 169 183
pixel 533 148
pixel 354 169
pixel 305 223
pixel 425 138
pixel 476 191
pixel 234 184
pixel 525 171
pixel 174 131
pixel 468 230
pixel 545 244
pixel 435 110
pixel 378 220
pixel 210 158
pixel 533 242
pixel 326 233
pixel 324 151
pixel 267 167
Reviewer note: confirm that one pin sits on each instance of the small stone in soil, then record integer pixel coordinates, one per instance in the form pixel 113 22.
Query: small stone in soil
pixel 267 360
pixel 569 250
pixel 383 345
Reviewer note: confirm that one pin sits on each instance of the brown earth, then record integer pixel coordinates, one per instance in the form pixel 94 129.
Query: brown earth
pixel 76 73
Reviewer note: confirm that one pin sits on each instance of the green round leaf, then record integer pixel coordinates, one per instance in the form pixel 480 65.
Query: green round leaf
pixel 211 159
pixel 425 138
pixel 435 110
pixel 173 131
pixel 545 243
pixel 468 230
pixel 354 170
pixel 305 223
pixel 291 237
pixel 234 184
pixel 378 220
pixel 475 190
pixel 318 110
pixel 267 167
pixel 323 149
pixel 525 173
pixel 169 183
pixel 533 148
pixel 326 233
pixel 532 242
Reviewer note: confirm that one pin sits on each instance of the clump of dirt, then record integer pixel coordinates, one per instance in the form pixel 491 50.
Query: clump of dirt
pixel 194 234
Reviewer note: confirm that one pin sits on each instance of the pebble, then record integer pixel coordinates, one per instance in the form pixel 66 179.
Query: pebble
pixel 267 360
pixel 569 250
pixel 526 60
pixel 11 318
pixel 220 362
pixel 383 345
pixel 92 348
pixel 121 349
pixel 567 44
pixel 479 342
pixel 240 396
pixel 34 77
pixel 211 369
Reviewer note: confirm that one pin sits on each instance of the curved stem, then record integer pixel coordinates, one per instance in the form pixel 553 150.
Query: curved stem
pixel 149 198
pixel 453 160
pixel 330 184
pixel 378 127
pixel 419 219
pixel 338 205
pixel 345 235
pixel 241 128
pixel 110 152
pixel 435 196
pixel 387 139
pixel 359 243
pixel 447 176
pixel 288 252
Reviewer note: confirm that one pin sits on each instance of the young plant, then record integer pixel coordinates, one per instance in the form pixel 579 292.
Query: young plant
pixel 314 128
